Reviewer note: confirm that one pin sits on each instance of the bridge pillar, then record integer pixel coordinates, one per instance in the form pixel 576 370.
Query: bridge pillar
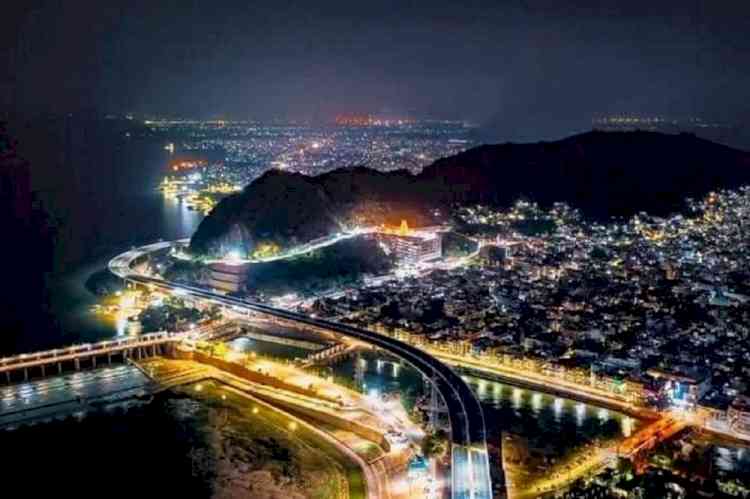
pixel 359 371
pixel 59 368
pixel 7 376
pixel 25 374
pixel 93 361
pixel 109 358
pixel 44 374
pixel 77 364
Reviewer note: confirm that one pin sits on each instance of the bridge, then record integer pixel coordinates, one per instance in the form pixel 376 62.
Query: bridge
pixel 650 436
pixel 470 473
pixel 131 347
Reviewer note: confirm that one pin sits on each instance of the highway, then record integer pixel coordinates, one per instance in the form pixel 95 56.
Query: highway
pixel 309 247
pixel 470 464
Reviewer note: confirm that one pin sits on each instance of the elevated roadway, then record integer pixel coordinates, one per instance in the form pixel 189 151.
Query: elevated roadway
pixel 470 474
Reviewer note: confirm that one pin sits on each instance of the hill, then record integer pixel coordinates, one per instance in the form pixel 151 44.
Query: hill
pixel 604 174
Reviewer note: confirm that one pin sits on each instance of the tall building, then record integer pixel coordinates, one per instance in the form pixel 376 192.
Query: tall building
pixel 228 277
pixel 409 245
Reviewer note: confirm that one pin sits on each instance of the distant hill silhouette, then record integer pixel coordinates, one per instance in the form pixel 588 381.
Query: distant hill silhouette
pixel 604 174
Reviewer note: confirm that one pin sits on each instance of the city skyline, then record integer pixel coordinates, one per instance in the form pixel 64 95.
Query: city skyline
pixel 380 250
pixel 539 69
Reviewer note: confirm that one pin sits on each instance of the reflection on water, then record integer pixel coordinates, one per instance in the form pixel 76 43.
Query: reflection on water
pixel 376 372
pixel 546 418
pixel 93 236
pixel 267 348
pixel 542 419
pixel 59 396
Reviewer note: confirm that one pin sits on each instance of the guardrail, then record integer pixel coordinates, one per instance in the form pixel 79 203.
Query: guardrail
pixel 470 468
pixel 26 360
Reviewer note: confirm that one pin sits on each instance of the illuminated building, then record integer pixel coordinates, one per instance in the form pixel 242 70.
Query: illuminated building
pixel 683 387
pixel 228 277
pixel 409 245
pixel 739 415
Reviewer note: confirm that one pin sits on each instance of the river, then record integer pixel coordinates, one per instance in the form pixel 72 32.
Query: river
pixel 552 426
pixel 102 233
pixel 96 227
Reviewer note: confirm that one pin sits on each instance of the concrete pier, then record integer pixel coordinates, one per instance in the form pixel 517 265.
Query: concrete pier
pixel 26 365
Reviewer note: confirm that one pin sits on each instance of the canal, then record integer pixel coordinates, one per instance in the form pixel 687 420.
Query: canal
pixel 553 427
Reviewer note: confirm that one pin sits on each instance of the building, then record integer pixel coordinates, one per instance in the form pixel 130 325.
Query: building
pixel 739 415
pixel 492 256
pixel 682 386
pixel 228 277
pixel 409 245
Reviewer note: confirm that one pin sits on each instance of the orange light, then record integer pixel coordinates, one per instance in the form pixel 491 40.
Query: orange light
pixel 404 229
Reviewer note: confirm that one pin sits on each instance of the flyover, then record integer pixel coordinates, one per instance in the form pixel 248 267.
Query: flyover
pixel 470 473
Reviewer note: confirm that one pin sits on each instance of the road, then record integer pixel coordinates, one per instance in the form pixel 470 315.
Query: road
pixel 470 463
pixel 543 382
pixel 170 373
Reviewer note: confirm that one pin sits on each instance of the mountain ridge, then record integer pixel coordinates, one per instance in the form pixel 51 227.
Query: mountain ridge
pixel 604 174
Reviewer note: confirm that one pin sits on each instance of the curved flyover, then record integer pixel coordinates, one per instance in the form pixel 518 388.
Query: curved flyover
pixel 470 475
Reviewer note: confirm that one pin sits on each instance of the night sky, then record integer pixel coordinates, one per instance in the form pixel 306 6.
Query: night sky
pixel 545 64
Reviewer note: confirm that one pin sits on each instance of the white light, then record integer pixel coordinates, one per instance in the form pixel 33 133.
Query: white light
pixel 627 426
pixel 516 398
pixel 558 406
pixel 536 401
pixel 497 390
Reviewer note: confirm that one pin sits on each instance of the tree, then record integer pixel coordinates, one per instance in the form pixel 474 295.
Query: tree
pixel 625 468
pixel 434 444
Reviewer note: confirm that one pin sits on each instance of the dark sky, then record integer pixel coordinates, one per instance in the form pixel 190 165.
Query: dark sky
pixel 549 62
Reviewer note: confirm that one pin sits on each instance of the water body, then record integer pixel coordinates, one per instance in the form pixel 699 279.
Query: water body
pixel 174 444
pixel 544 420
pixel 111 228
pixel 60 396
pixel 553 425
pixel 377 373
pixel 268 349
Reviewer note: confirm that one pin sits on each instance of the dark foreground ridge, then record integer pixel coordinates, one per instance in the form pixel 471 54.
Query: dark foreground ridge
pixel 604 174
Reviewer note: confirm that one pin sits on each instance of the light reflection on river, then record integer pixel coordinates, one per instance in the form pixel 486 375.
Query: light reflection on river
pixel 544 420
pixel 147 218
